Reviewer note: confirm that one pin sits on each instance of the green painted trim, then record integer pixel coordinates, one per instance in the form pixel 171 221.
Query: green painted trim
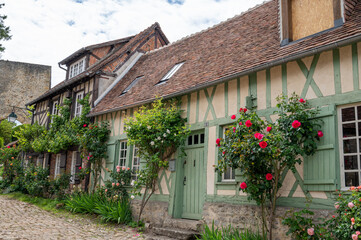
pixel 284 79
pixel 309 76
pixel 159 182
pixel 226 99
pixel 355 70
pixel 326 204
pixel 293 189
pixel 210 104
pixel 253 88
pixel 120 122
pixel 197 107
pixel 188 107
pixel 172 192
pixel 238 93
pixel 217 176
pixel 300 182
pixel 337 70
pixel 268 88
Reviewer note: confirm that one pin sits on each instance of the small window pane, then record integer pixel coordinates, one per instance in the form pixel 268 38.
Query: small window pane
pixel 202 138
pixel 196 139
pixel 359 129
pixel 359 112
pixel 349 146
pixel 348 114
pixel 190 140
pixel 350 162
pixel 351 179
pixel 349 130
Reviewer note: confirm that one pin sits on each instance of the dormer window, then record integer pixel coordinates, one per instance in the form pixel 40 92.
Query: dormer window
pixel 77 68
pixel 171 73
pixel 303 18
pixel 131 85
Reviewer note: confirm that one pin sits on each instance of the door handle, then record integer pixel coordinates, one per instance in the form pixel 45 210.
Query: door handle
pixel 184 180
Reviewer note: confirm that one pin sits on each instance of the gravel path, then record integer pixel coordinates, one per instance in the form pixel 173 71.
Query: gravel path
pixel 19 220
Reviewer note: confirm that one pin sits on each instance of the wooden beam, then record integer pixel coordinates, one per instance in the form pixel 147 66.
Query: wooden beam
pixel 337 16
pixel 286 21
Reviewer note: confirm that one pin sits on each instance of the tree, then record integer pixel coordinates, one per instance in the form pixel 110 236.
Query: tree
pixel 4 31
pixel 263 151
pixel 157 132
pixel 6 131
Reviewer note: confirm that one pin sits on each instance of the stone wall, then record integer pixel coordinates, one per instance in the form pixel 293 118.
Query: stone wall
pixel 248 216
pixel 19 84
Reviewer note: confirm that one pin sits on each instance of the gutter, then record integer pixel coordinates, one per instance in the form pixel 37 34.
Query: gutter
pixel 247 72
pixel 132 61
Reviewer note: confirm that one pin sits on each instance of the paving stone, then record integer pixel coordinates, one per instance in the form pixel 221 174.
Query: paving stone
pixel 19 220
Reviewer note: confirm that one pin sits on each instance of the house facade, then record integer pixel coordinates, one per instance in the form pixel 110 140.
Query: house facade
pixel 312 48
pixel 92 71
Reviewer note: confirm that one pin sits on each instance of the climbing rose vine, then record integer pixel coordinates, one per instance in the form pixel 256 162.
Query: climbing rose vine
pixel 264 150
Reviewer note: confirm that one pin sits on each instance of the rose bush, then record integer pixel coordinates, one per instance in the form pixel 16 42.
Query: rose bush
pixel 261 149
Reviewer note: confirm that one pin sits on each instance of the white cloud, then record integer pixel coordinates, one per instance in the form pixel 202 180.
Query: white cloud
pixel 47 31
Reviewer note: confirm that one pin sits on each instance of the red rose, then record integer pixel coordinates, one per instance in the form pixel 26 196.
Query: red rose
pixel 269 129
pixel 302 100
pixel 296 124
pixel 84 125
pixel 240 123
pixel 243 185
pixel 224 153
pixel 79 168
pixel 244 110
pixel 269 176
pixel 258 136
pixel 218 140
pixel 8 146
pixel 248 123
pixel 241 110
pixel 263 144
pixel 320 133
pixel 233 117
pixel 234 129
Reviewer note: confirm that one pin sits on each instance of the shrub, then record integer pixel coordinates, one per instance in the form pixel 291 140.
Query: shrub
pixel 59 186
pixel 36 181
pixel 118 211
pixel 120 179
pixel 228 233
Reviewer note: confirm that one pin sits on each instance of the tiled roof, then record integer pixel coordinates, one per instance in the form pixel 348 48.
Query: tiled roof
pixel 238 46
pixel 92 70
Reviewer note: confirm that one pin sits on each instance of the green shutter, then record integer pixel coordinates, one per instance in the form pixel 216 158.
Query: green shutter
pixel 320 170
pixel 115 154
pixel 238 176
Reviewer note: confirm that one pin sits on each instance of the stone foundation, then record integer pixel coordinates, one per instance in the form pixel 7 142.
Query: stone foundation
pixel 222 214
pixel 248 216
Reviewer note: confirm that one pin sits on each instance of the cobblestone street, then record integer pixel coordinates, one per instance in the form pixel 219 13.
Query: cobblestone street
pixel 19 220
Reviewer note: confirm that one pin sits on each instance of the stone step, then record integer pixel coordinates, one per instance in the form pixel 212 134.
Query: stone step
pixel 186 224
pixel 173 233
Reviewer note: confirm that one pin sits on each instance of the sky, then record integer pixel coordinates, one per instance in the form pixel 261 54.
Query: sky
pixel 47 31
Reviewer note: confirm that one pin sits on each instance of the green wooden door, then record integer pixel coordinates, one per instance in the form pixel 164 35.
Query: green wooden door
pixel 193 181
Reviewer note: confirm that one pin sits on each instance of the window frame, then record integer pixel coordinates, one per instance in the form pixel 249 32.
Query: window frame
pixel 57 165
pixel 232 171
pixel 123 143
pixel 171 72
pixel 73 167
pixel 137 166
pixel 74 68
pixel 341 138
pixel 78 107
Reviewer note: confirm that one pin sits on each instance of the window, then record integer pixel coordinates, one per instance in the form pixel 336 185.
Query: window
pixel 73 164
pixel 350 144
pixel 135 163
pixel 195 139
pixel 57 165
pixel 303 18
pixel 40 160
pixel 77 68
pixel 131 85
pixel 78 106
pixel 229 174
pixel 55 109
pixel 122 154
pixel 171 72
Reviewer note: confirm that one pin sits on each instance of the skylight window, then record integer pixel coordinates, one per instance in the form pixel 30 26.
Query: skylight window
pixel 131 85
pixel 171 72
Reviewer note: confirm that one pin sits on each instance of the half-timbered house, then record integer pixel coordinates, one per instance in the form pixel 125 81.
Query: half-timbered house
pixel 91 70
pixel 309 47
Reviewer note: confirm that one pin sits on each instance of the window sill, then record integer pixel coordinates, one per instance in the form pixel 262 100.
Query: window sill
pixel 227 183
